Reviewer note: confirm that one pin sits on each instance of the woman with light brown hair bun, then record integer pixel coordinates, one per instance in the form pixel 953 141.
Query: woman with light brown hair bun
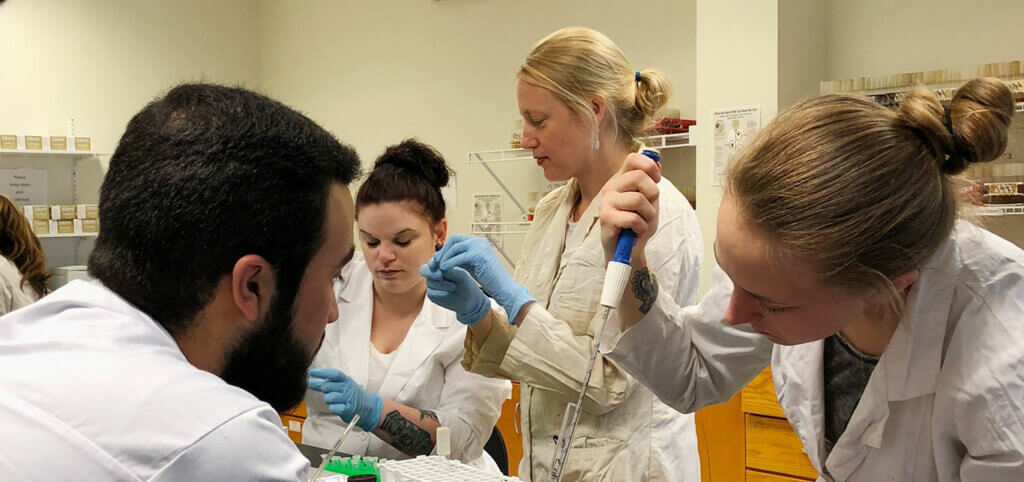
pixel 894 329
pixel 585 110
pixel 23 273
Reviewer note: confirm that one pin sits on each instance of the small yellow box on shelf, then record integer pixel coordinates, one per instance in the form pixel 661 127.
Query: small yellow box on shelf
pixel 83 144
pixel 86 226
pixel 58 143
pixel 34 143
pixel 64 211
pixel 40 226
pixel 88 211
pixel 37 212
pixel 8 142
pixel 66 226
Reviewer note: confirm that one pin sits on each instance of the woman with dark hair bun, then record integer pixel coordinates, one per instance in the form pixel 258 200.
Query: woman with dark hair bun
pixel 395 361
pixel 23 273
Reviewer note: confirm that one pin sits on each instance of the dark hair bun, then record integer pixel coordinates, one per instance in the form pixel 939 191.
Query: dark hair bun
pixel 419 160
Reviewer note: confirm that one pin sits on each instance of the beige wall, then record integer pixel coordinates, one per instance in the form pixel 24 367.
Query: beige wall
pixel 881 37
pixel 377 72
pixel 100 61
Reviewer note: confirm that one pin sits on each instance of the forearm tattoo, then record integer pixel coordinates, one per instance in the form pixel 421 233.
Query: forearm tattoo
pixel 406 436
pixel 429 414
pixel 645 288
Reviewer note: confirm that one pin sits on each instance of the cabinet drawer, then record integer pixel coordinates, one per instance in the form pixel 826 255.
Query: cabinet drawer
pixel 759 396
pixel 774 447
pixel 755 476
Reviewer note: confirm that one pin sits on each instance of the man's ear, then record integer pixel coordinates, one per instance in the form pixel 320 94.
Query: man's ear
pixel 253 286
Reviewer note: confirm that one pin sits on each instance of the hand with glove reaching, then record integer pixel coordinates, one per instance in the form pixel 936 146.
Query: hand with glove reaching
pixel 345 398
pixel 455 290
pixel 477 258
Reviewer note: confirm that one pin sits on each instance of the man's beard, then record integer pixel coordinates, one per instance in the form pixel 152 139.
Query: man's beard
pixel 270 362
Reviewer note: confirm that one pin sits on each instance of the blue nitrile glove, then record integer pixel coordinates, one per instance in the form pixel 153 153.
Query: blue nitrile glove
pixel 346 399
pixel 476 256
pixel 455 290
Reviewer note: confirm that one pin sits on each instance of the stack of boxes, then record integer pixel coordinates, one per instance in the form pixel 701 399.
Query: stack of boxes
pixel 63 218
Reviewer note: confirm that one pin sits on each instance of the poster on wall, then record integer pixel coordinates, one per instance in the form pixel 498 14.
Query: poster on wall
pixel 733 129
pixel 24 186
pixel 487 209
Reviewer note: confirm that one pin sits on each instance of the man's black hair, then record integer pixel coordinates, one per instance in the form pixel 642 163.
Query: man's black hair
pixel 203 176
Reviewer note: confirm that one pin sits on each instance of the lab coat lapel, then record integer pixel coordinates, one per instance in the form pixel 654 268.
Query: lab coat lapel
pixel 426 334
pixel 909 367
pixel 539 268
pixel 800 386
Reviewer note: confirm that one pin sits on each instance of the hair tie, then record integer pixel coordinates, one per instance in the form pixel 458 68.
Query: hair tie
pixel 949 121
pixel 638 79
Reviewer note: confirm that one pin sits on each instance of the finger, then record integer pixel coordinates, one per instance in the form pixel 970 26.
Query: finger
pixel 341 410
pixel 626 219
pixel 634 181
pixel 464 260
pixel 336 397
pixel 640 162
pixel 458 276
pixel 633 202
pixel 329 387
pixel 314 383
pixel 442 286
pixel 435 295
pixel 332 374
pixel 429 272
pixel 452 248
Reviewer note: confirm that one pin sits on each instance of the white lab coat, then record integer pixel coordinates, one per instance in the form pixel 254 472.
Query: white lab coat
pixel 624 432
pixel 425 375
pixel 945 402
pixel 13 294
pixel 91 388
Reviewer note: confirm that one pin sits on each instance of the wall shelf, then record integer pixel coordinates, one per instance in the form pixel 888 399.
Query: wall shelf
pixel 665 141
pixel 74 235
pixel 38 153
pixel 995 210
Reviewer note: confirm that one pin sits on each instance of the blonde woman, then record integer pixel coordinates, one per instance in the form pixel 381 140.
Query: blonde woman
pixel 895 331
pixel 584 108
pixel 23 273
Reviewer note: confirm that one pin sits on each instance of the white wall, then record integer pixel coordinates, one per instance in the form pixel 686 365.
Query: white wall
pixel 803 50
pixel 100 61
pixel 737 58
pixel 377 72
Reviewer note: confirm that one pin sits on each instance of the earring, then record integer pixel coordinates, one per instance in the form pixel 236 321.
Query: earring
pixel 597 144
pixel 437 247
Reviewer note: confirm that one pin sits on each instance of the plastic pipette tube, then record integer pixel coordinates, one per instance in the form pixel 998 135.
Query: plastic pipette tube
pixel 334 450
pixel 615 278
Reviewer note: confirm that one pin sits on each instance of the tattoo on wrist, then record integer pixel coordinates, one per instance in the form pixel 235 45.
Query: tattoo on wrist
pixel 429 414
pixel 645 288
pixel 406 436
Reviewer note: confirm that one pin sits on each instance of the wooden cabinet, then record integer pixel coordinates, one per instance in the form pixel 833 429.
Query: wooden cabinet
pixel 511 430
pixel 771 446
pixel 749 439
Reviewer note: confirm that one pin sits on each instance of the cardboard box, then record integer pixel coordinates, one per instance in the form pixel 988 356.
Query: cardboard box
pixel 38 212
pixel 88 211
pixel 65 226
pixel 83 226
pixel 8 141
pixel 40 226
pixel 58 143
pixel 64 211
pixel 83 144
pixel 34 143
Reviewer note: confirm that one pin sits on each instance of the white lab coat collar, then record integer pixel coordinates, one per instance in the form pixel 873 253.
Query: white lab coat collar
pixel 355 305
